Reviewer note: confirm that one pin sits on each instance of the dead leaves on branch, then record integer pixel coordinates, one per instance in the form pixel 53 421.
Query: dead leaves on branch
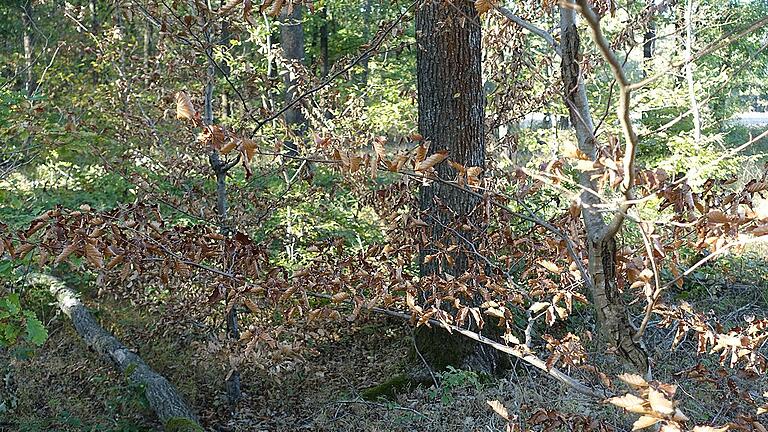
pixel 185 110
pixel 654 401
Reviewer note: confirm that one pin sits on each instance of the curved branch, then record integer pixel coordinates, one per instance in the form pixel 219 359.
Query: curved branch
pixel 530 27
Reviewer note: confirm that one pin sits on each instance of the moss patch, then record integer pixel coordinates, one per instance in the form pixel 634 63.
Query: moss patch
pixel 180 424
pixel 388 389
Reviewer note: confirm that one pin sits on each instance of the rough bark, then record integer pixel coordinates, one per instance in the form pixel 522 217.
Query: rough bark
pixel 163 398
pixel 292 43
pixel 614 327
pixel 451 104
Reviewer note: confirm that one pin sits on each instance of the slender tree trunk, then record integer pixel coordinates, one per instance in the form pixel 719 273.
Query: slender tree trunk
pixel 26 17
pixel 147 45
pixel 613 324
pixel 451 104
pixel 649 39
pixel 689 71
pixel 292 42
pixel 234 392
pixel 366 37
pixel 94 16
pixel 325 62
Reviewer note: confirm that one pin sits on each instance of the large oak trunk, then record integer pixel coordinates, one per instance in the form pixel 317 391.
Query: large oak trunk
pixel 451 105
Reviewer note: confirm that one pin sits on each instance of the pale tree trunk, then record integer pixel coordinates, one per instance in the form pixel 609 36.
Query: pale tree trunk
pixel 451 104
pixel 613 324
pixel 26 17
pixel 689 71
pixel 94 16
pixel 162 396
pixel 292 43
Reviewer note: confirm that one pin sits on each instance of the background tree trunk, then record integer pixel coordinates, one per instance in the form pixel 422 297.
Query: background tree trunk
pixel 451 105
pixel 324 60
pixel 366 37
pixel 26 18
pixel 649 37
pixel 292 43
pixel 689 71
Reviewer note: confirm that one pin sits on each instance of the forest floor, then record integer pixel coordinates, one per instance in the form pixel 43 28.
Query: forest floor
pixel 64 387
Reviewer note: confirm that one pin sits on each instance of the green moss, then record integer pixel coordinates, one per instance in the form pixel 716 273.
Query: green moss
pixel 181 424
pixel 388 389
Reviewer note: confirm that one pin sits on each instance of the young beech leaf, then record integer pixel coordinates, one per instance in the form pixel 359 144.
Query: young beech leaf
pixel 36 332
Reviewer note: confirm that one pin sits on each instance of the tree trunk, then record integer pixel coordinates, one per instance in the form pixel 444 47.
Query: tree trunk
pixel 689 71
pixel 451 104
pixel 614 327
pixel 324 61
pixel 649 38
pixel 366 37
pixel 163 398
pixel 147 45
pixel 292 42
pixel 234 392
pixel 26 18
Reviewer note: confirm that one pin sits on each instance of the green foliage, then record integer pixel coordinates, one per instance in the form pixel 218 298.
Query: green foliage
pixel 16 323
pixel 453 379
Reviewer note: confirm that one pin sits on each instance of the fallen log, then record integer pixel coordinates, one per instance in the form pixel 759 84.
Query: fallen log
pixel 165 401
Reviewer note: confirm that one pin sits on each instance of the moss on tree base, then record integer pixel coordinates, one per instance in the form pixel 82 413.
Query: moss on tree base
pixel 181 424
pixel 388 389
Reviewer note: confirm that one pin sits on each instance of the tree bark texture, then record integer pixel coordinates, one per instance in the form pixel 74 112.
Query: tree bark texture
pixel 163 398
pixel 292 43
pixel 451 115
pixel 614 327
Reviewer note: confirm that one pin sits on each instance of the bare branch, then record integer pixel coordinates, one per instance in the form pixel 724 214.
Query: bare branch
pixel 530 27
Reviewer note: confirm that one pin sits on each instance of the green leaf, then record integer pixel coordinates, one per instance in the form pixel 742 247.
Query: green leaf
pixel 11 304
pixel 36 332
